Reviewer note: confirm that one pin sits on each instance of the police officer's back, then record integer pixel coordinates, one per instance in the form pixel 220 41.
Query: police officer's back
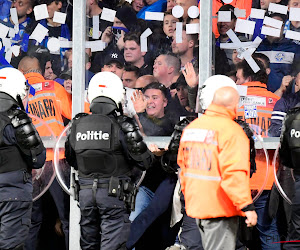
pixel 104 147
pixel 290 157
pixel 21 149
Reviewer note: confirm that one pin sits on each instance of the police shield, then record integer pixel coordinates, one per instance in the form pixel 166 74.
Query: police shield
pixel 42 178
pixel 284 178
pixel 261 177
pixel 62 168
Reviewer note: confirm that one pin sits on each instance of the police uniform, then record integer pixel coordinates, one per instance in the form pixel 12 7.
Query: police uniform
pixel 289 156
pixel 21 149
pixel 104 147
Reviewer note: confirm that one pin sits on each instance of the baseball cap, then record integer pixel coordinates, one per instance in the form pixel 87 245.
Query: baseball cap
pixel 114 56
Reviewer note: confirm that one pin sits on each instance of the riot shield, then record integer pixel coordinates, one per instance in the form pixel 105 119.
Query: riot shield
pixel 284 178
pixel 259 179
pixel 42 178
pixel 62 168
pixel 67 176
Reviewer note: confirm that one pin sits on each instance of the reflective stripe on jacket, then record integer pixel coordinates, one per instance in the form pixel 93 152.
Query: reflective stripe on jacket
pixel 50 102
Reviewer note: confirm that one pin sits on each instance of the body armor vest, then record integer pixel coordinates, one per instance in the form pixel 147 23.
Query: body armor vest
pixel 291 136
pixel 10 155
pixel 95 140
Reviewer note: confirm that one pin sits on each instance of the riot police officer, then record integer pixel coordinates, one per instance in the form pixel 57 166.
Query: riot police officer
pixel 21 149
pixel 290 157
pixel 104 147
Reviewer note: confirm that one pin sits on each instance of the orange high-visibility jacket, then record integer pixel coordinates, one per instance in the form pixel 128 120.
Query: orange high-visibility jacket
pixel 50 102
pixel 215 165
pixel 264 102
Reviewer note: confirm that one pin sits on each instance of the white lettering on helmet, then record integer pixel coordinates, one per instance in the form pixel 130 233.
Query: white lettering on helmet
pixel 295 133
pixel 92 135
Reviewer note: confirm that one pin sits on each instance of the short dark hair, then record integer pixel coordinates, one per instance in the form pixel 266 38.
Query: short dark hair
pixel 260 76
pixel 132 68
pixel 132 36
pixel 275 14
pixel 263 57
pixel 157 85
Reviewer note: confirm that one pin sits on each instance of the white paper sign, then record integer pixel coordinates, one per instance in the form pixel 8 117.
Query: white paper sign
pixel 239 12
pixel 178 32
pixel 108 14
pixel 224 16
pixel 278 8
pixel 14 16
pixel 65 44
pixel 155 16
pixel 53 44
pixel 192 28
pixel 242 90
pixel 292 35
pixel 257 13
pixel 294 14
pixel 193 12
pixel 16 50
pixel 143 39
pixel 59 17
pixel 39 33
pixel 244 26
pixel 273 22
pixel 95 45
pixel 96 32
pixel 270 31
pixel 11 33
pixel 3 30
pixel 40 12
pixel 177 11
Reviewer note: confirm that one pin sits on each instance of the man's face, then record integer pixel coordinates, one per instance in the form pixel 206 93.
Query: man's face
pixel 169 25
pixel 170 4
pixel 294 4
pixel 129 79
pixel 182 94
pixel 186 4
pixel 118 23
pixel 52 7
pixel 160 67
pixel 68 86
pixel 223 27
pixel 264 4
pixel 137 5
pixel 156 103
pixel 235 59
pixel 180 48
pixel 70 61
pixel 132 52
pixel 48 74
pixel 23 7
pixel 240 77
pixel 273 38
pixel 115 68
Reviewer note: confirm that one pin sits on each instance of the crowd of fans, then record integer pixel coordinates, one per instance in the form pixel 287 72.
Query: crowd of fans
pixel 161 82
